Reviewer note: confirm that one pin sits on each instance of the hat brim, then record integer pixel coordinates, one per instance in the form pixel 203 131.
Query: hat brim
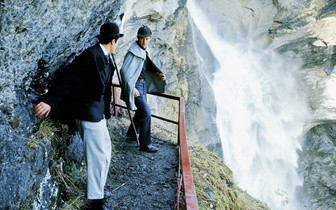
pixel 142 36
pixel 110 36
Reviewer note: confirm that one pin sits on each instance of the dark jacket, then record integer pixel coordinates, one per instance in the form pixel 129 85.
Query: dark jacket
pixel 83 89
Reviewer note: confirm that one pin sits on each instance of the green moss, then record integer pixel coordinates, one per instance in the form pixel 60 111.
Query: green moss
pixel 15 123
pixel 26 206
pixel 31 144
pixel 35 189
pixel 53 201
pixel 333 159
pixel 36 153
pixel 214 183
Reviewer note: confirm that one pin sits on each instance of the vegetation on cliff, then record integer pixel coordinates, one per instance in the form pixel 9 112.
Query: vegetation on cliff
pixel 215 186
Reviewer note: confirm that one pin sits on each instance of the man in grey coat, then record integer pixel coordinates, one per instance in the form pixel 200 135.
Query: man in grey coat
pixel 140 75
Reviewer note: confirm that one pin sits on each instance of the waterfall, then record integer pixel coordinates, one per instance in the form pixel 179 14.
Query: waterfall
pixel 260 113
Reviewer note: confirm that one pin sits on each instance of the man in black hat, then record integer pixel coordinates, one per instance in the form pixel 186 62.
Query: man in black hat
pixel 81 93
pixel 140 75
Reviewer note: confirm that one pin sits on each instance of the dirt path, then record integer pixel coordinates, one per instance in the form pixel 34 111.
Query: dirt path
pixel 141 180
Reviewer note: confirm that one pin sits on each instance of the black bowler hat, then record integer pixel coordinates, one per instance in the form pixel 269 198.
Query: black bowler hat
pixel 144 31
pixel 109 31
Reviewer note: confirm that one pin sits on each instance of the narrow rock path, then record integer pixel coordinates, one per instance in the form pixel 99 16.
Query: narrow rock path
pixel 141 180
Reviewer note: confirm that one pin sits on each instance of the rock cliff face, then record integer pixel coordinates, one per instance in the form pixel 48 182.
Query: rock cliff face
pixel 307 30
pixel 173 51
pixel 38 37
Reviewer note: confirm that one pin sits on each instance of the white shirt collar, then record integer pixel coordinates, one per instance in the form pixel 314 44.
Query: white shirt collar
pixel 103 48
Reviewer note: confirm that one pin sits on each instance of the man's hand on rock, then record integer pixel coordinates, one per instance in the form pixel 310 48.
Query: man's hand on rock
pixel 42 109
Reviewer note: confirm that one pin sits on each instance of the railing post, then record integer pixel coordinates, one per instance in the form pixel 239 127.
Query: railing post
pixel 188 182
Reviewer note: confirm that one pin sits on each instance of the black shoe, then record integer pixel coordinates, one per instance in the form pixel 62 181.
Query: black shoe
pixel 131 137
pixel 149 148
pixel 99 204
pixel 132 141
pixel 128 135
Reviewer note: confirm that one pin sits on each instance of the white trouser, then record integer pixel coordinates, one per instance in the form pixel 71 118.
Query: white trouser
pixel 97 147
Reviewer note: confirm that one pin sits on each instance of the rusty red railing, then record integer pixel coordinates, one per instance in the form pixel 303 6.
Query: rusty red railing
pixel 190 199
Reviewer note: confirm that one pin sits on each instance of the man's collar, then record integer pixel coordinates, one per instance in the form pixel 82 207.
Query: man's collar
pixel 140 45
pixel 103 48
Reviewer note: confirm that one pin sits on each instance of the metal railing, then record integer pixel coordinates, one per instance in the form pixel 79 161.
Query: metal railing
pixel 190 199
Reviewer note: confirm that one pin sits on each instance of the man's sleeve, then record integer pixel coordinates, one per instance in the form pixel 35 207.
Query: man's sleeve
pixel 70 81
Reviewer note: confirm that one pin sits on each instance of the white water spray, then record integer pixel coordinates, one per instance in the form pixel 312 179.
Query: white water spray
pixel 260 115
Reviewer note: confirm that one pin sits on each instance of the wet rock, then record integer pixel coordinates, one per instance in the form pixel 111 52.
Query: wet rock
pixel 317 163
pixel 37 38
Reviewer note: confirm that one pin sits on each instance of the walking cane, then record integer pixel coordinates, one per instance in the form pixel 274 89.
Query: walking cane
pixel 128 110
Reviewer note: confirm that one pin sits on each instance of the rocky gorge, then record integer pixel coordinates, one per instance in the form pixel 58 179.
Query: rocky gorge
pixel 40 36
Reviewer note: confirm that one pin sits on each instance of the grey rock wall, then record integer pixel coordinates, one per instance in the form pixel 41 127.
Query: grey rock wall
pixel 306 30
pixel 173 51
pixel 318 164
pixel 37 37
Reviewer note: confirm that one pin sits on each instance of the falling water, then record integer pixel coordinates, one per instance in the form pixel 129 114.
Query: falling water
pixel 260 115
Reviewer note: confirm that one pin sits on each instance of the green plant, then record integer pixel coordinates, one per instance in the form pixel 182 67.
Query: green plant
pixel 215 185
pixel 283 195
pixel 26 206
pixel 15 123
pixel 73 181
pixel 31 143
pixel 333 159
pixel 47 129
